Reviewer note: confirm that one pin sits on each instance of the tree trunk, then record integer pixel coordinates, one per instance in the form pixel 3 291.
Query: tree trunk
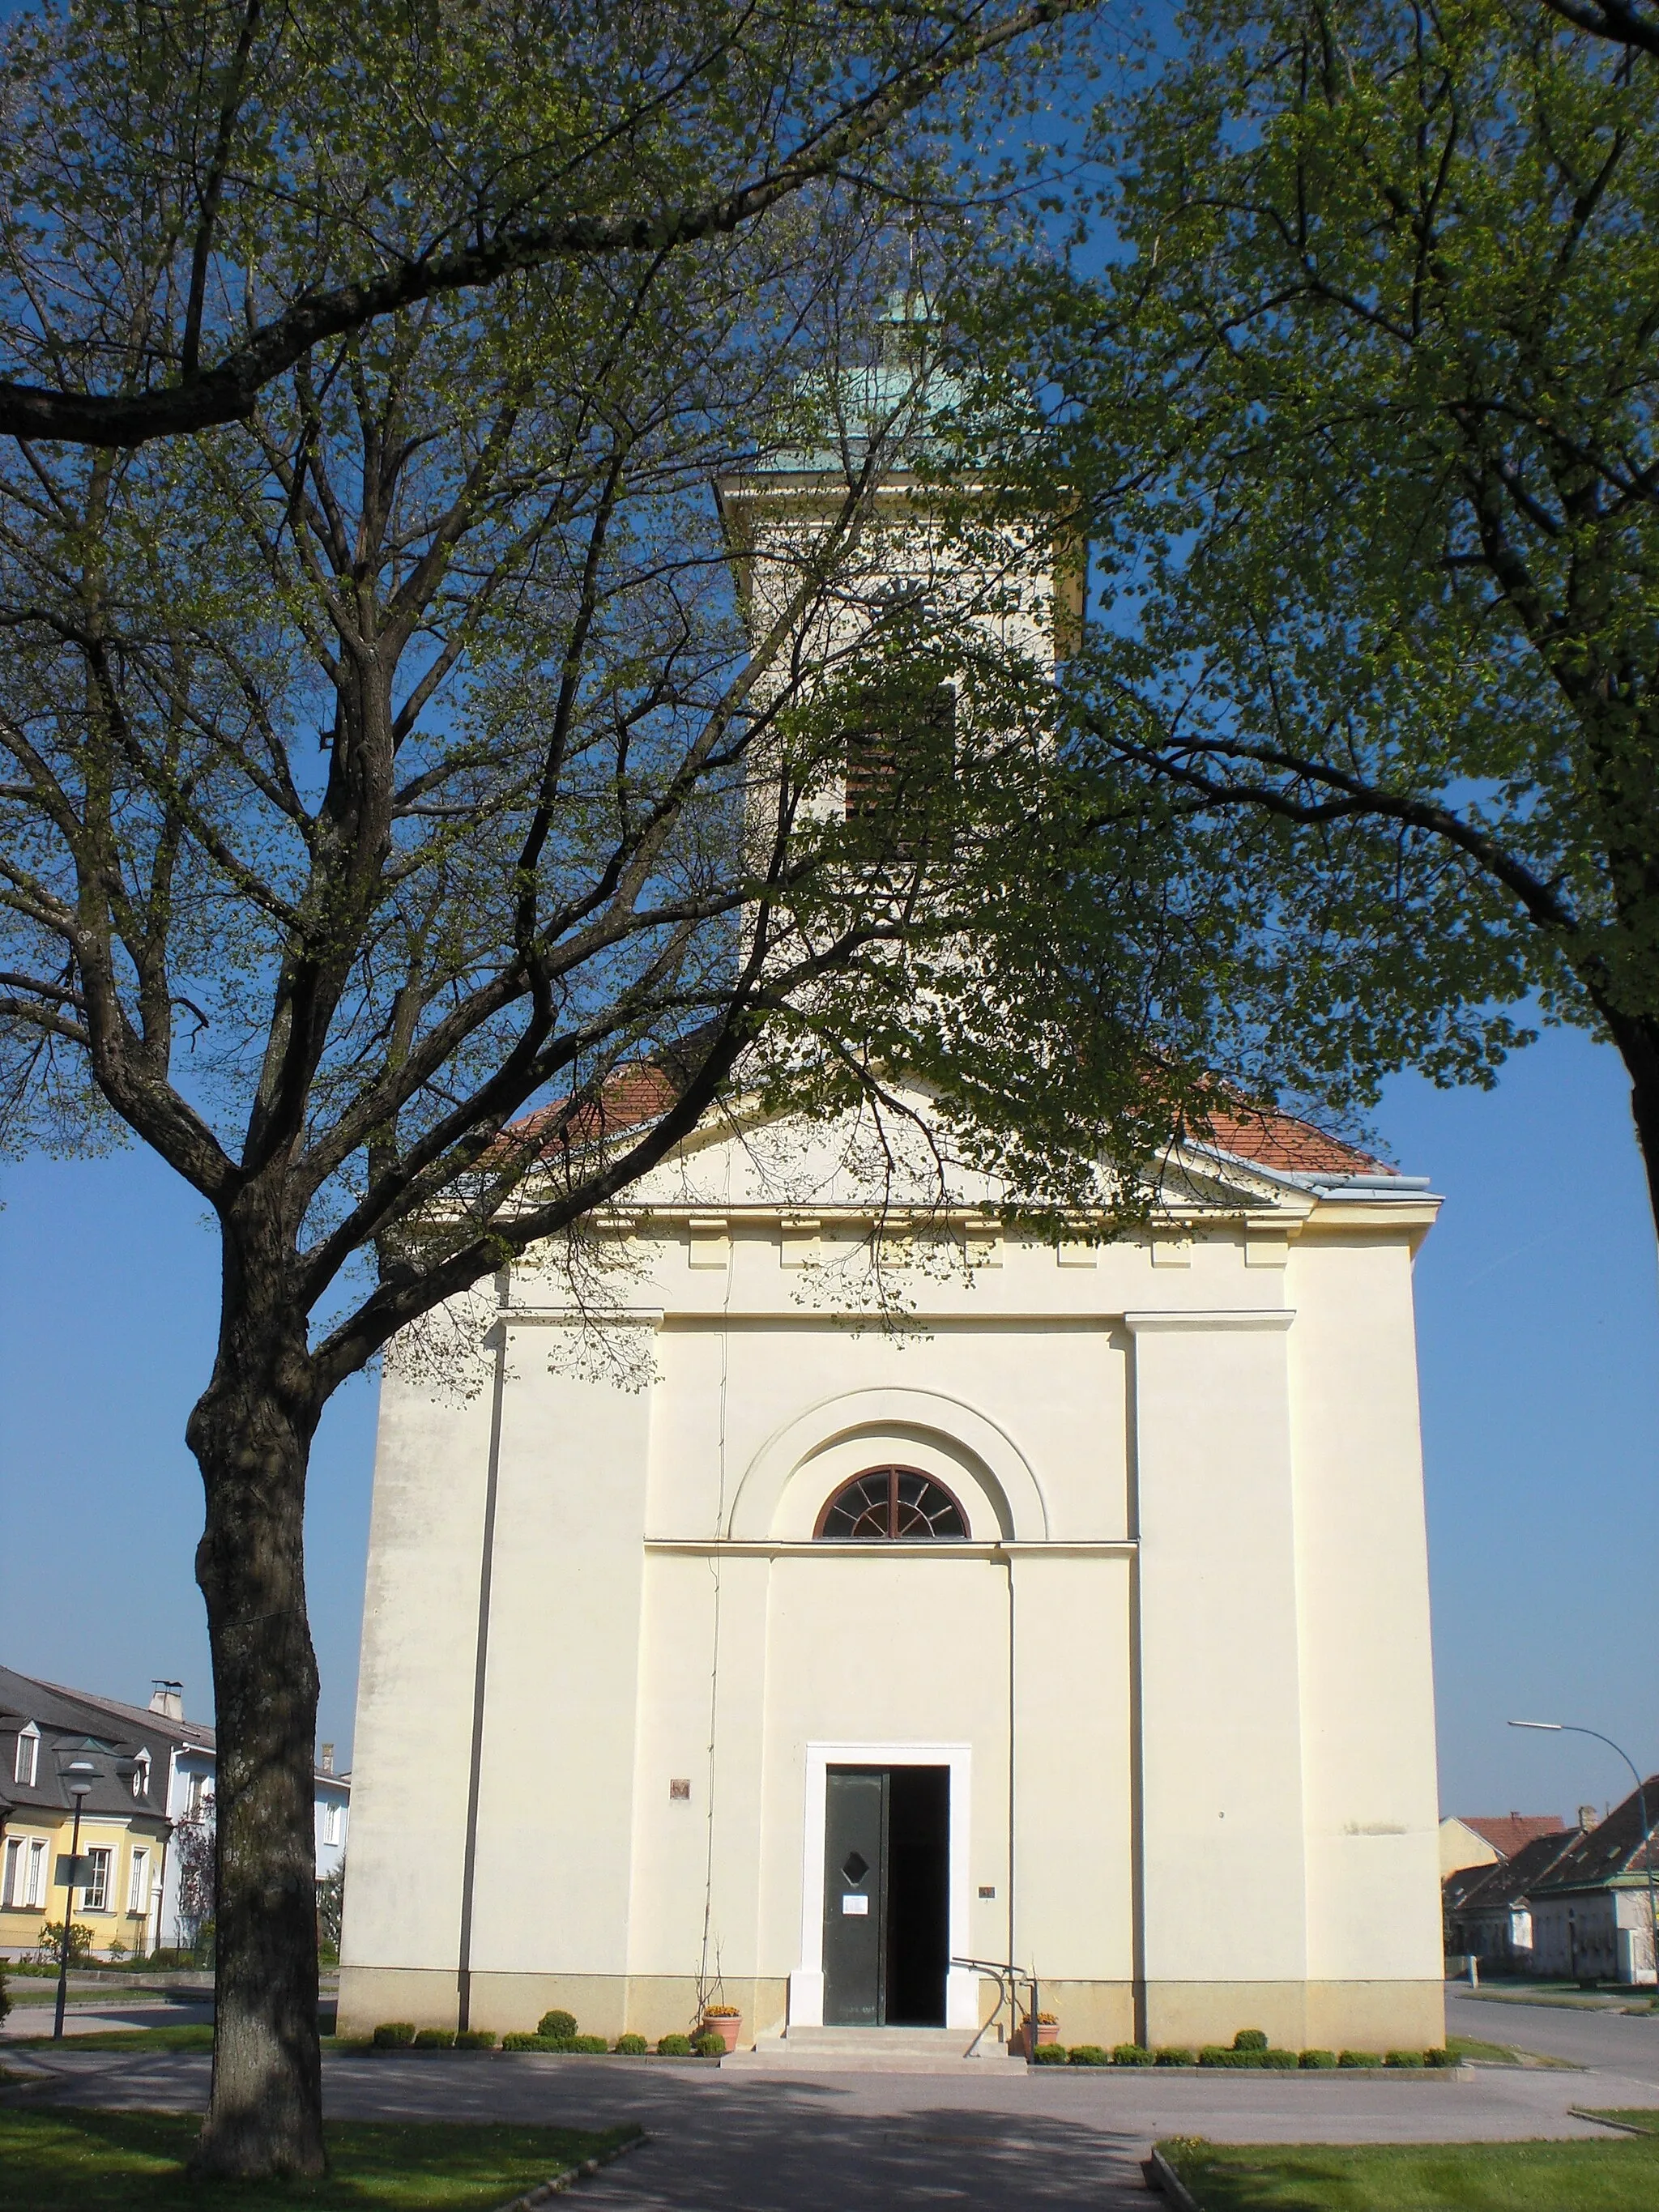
pixel 250 1433
pixel 1637 1040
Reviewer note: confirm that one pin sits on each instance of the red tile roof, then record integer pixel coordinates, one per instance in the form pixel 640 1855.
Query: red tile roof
pixel 1507 1831
pixel 1281 1141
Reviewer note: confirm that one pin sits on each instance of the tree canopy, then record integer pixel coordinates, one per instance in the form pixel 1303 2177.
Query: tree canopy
pixel 1361 417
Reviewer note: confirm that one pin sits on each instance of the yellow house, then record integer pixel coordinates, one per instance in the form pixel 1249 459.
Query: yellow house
pixel 50 1743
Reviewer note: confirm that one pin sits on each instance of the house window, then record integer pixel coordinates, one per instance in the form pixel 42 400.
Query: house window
pixel 94 1897
pixel 138 1883
pixel 11 1881
pixel 141 1778
pixel 23 1879
pixel 196 1798
pixel 334 1824
pixel 898 770
pixel 34 1877
pixel 28 1756
pixel 893 1504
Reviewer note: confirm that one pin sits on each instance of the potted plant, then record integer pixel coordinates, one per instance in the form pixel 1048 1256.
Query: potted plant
pixel 1039 2028
pixel 723 2021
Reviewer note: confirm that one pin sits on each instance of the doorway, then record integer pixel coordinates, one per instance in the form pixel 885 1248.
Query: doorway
pixel 886 1896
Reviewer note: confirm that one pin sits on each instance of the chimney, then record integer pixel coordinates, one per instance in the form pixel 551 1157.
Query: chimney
pixel 1587 1816
pixel 327 1759
pixel 167 1698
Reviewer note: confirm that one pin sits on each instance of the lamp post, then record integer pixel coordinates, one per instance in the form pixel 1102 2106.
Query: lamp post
pixel 80 1774
pixel 1570 1728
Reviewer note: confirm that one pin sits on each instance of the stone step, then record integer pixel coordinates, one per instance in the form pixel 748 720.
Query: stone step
pixel 872 2051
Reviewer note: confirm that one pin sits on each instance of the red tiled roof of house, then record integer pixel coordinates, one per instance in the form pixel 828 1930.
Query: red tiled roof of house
pixel 1507 1831
pixel 634 1095
pixel 644 1090
pixel 1281 1141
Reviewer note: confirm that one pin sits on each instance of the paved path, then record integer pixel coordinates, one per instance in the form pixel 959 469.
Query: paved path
pixel 90 2016
pixel 866 2143
pixel 1628 2043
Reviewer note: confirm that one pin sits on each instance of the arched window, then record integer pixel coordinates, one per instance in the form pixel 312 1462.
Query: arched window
pixel 890 1504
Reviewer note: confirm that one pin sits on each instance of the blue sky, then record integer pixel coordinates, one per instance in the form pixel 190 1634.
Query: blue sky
pixel 1538 1306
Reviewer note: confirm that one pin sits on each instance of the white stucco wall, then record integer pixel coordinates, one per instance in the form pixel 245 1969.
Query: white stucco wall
pixel 1196 1578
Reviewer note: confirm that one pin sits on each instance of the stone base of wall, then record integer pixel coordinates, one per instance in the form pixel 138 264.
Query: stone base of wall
pixel 1296 2016
pixel 609 2005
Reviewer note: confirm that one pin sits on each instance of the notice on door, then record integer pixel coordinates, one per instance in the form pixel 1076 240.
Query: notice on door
pixel 855 1903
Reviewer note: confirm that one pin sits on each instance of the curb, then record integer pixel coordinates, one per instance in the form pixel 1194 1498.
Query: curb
pixel 555 2185
pixel 1163 2180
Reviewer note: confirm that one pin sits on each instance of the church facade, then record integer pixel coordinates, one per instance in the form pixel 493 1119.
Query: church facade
pixel 1076 1619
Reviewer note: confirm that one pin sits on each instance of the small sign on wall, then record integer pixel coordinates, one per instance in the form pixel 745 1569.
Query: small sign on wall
pixel 856 1903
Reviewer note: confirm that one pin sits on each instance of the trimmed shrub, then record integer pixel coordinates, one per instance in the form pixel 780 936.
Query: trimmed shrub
pixel 1174 2054
pixel 1316 2061
pixel 632 2046
pixel 1250 2038
pixel 393 2035
pixel 1087 2054
pixel 1049 2054
pixel 557 2022
pixel 1404 2058
pixel 1358 2059
pixel 1131 2054
pixel 436 2038
pixel 591 2046
pixel 709 2046
pixel 1283 2061
pixel 521 2042
pixel 1223 2054
pixel 475 2039
pixel 1441 2056
pixel 673 2046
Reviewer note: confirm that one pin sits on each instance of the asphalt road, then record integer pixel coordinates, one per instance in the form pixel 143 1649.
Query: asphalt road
pixel 867 2143
pixel 1626 2042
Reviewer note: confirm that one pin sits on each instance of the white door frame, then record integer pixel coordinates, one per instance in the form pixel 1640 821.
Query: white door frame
pixel 806 1982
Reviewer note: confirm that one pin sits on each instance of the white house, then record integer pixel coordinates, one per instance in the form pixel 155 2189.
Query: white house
pixel 1079 1625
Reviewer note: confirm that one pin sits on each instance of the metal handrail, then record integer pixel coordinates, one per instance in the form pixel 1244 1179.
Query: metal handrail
pixel 1007 1978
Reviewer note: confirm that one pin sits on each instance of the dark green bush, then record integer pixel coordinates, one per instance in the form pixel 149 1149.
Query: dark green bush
pixel 1441 2056
pixel 709 2046
pixel 1250 2038
pixel 673 2046
pixel 1283 2061
pixel 1174 2054
pixel 394 2035
pixel 590 2045
pixel 1404 2058
pixel 522 2042
pixel 1316 2061
pixel 1223 2054
pixel 436 2038
pixel 557 2022
pixel 1131 2054
pixel 1358 2059
pixel 632 2046
pixel 1048 2054
pixel 475 2039
pixel 1089 2054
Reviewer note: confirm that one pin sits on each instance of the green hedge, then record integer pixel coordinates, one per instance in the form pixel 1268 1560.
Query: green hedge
pixel 1174 2054
pixel 673 2046
pixel 1049 2054
pixel 1090 2054
pixel 709 2046
pixel 557 2022
pixel 632 2046
pixel 1131 2054
pixel 1317 2061
pixel 1358 2059
pixel 475 2039
pixel 1250 2038
pixel 436 2038
pixel 393 2035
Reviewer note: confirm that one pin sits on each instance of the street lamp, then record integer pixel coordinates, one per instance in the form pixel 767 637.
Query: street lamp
pixel 1570 1728
pixel 80 1774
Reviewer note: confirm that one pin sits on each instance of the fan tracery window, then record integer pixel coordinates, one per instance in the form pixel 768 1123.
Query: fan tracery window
pixel 890 1504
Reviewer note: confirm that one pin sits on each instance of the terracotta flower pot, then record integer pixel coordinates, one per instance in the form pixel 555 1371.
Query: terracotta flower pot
pixel 723 2024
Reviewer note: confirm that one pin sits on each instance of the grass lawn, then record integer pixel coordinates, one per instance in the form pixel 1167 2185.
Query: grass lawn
pixel 1647 2121
pixel 199 2037
pixel 1621 2176
pixel 65 2161
pixel 1502 2054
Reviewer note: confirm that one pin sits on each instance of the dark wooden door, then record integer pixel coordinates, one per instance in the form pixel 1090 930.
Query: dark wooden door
pixel 855 1896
